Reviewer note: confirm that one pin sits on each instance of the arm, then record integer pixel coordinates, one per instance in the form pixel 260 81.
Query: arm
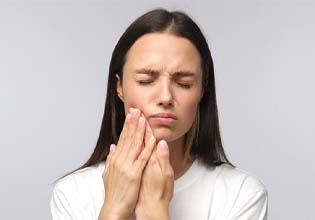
pixel 104 215
pixel 153 212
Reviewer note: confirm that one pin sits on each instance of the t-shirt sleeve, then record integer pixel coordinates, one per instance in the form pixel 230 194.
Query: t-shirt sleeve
pixel 60 207
pixel 252 207
pixel 70 200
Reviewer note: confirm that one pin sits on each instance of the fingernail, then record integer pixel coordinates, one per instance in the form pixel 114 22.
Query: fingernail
pixel 111 148
pixel 130 110
pixel 135 111
pixel 163 144
pixel 152 139
pixel 141 120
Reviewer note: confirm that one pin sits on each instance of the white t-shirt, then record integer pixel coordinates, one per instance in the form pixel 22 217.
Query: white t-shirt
pixel 202 193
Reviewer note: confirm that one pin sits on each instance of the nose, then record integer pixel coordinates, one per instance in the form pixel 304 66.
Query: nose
pixel 165 94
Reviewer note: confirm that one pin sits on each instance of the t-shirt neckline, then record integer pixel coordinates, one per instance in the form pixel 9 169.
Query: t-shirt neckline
pixel 188 177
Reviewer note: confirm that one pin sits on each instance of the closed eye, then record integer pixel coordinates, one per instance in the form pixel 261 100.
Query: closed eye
pixel 186 86
pixel 144 82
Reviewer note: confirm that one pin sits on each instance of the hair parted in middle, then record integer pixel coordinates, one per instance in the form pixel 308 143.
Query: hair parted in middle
pixel 203 140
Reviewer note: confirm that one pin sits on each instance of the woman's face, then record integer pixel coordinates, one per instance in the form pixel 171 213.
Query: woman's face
pixel 162 74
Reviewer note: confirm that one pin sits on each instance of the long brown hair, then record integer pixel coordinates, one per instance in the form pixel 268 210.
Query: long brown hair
pixel 206 142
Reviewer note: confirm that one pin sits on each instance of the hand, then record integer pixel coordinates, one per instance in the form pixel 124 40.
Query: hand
pixel 123 169
pixel 157 183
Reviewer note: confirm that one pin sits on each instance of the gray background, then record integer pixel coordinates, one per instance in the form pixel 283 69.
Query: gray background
pixel 54 58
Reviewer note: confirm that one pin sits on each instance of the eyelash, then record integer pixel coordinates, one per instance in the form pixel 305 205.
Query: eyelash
pixel 180 84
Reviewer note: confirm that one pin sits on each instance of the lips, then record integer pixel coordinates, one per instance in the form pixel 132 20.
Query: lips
pixel 164 118
pixel 165 115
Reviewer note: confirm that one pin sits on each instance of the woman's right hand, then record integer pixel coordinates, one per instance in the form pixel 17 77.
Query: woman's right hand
pixel 124 167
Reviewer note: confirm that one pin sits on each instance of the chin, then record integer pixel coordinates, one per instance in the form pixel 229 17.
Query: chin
pixel 164 134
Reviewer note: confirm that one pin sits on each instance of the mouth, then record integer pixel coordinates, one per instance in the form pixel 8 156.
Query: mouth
pixel 164 118
pixel 164 115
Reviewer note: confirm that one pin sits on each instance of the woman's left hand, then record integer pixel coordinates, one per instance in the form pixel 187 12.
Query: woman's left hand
pixel 157 183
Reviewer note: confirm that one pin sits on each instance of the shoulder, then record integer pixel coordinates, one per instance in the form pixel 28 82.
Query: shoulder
pixel 80 180
pixel 80 189
pixel 235 179
pixel 236 187
pixel 240 193
pixel 232 179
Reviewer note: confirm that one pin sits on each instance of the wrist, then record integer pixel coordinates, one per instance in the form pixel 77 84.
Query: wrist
pixel 110 217
pixel 166 217
pixel 157 217
pixel 107 214
pixel 154 213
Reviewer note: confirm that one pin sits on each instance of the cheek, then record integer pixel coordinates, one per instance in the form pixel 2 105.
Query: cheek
pixel 189 108
pixel 190 101
pixel 136 99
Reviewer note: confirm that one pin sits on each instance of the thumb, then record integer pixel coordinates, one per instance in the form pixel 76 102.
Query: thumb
pixel 163 156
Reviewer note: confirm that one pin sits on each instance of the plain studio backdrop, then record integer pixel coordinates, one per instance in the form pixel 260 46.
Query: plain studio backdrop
pixel 54 59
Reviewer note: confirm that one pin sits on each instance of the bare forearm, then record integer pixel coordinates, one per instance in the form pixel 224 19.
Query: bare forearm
pixel 153 215
pixel 107 217
pixel 155 218
pixel 106 214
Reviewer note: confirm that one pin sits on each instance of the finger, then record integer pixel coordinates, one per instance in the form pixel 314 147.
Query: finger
pixel 152 159
pixel 163 156
pixel 109 156
pixel 124 132
pixel 112 149
pixel 145 155
pixel 132 131
pixel 124 141
pixel 137 145
pixel 148 133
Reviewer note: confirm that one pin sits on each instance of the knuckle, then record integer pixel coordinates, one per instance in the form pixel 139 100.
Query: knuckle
pixel 131 176
pixel 131 136
pixel 142 158
pixel 169 174
pixel 137 145
pixel 115 164
pixel 109 157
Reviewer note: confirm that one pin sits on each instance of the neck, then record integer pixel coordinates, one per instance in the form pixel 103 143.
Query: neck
pixel 177 156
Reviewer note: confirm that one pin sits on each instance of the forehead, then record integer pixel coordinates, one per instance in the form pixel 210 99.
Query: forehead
pixel 163 52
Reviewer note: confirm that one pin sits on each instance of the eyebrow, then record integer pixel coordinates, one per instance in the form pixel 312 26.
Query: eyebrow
pixel 152 72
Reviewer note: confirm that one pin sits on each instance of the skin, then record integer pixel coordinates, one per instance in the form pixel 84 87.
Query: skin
pixel 140 172
pixel 167 54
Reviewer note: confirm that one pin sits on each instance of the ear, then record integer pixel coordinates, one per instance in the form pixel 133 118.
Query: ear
pixel 119 88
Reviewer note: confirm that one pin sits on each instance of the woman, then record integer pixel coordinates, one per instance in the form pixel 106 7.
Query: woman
pixel 159 154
